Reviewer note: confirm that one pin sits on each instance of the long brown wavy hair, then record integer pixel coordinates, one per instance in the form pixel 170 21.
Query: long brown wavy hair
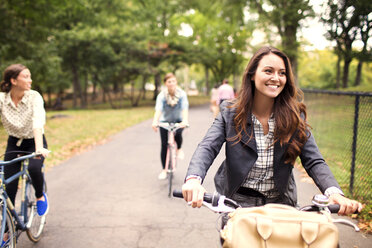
pixel 288 107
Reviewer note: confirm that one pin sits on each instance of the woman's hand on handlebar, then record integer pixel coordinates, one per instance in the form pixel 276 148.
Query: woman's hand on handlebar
pixel 155 126
pixel 184 124
pixel 43 152
pixel 347 206
pixel 193 192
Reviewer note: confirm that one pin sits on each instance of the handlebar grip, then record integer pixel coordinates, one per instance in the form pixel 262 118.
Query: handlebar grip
pixel 210 198
pixel 334 208
pixel 177 193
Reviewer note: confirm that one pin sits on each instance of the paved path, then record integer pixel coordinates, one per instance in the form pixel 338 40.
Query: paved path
pixel 110 197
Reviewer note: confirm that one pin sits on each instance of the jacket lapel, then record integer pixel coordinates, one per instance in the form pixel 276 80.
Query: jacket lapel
pixel 251 143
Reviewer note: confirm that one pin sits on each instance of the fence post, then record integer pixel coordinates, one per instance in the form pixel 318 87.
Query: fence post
pixel 355 135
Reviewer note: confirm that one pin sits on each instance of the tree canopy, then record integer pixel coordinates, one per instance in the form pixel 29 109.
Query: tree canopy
pixel 104 47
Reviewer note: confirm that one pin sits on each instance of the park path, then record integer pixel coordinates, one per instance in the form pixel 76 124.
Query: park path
pixel 110 196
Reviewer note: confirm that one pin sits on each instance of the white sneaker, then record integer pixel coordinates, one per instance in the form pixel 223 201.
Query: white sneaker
pixel 180 154
pixel 162 175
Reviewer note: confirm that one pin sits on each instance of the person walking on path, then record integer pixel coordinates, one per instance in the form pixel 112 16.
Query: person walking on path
pixel 225 92
pixel 172 106
pixel 23 116
pixel 265 130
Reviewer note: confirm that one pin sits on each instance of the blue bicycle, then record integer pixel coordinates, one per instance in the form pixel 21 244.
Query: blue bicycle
pixel 16 219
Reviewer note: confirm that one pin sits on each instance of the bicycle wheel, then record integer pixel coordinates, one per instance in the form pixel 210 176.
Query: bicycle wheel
pixel 170 178
pixel 170 172
pixel 11 240
pixel 35 223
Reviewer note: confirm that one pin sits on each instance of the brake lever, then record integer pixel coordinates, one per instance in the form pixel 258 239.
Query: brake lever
pixel 221 206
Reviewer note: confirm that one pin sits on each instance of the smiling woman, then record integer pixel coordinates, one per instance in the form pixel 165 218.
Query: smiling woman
pixel 270 78
pixel 264 131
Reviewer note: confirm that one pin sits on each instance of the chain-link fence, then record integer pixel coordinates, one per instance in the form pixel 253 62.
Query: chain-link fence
pixel 342 125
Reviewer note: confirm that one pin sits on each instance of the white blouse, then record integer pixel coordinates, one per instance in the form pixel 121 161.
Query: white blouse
pixel 20 121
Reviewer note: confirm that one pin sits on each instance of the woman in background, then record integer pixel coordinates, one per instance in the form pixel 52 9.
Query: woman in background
pixel 23 116
pixel 172 106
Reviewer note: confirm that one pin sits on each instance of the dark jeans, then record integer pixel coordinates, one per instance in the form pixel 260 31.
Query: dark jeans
pixel 34 167
pixel 164 143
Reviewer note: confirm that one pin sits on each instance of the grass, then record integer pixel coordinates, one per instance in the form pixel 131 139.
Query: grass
pixel 332 119
pixel 75 131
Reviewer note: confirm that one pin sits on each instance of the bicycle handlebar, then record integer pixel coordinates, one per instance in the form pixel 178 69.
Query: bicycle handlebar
pixel 214 200
pixel 221 204
pixel 21 158
pixel 171 126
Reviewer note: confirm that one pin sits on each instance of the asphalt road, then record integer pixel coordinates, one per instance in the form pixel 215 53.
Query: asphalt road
pixel 110 196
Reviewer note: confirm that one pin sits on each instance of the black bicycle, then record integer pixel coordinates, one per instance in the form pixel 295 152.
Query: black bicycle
pixel 14 219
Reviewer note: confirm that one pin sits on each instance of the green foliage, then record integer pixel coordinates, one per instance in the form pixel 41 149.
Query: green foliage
pixel 286 16
pixel 113 44
pixel 347 22
pixel 317 70
pixel 25 38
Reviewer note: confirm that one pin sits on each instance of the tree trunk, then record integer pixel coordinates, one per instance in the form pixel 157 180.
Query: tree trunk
pixel 290 47
pixel 84 93
pixel 338 71
pixel 144 77
pixel 76 85
pixel 103 95
pixel 207 86
pixel 49 93
pixel 236 82
pixel 358 77
pixel 111 101
pixel 116 87
pixel 157 85
pixel 345 76
pixel 94 93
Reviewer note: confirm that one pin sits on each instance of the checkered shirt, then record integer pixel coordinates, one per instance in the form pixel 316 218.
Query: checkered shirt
pixel 261 176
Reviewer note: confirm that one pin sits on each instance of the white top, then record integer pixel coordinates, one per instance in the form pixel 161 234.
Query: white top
pixel 20 121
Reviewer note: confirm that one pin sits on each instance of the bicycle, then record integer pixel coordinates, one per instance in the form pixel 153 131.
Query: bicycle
pixel 171 158
pixel 222 205
pixel 13 223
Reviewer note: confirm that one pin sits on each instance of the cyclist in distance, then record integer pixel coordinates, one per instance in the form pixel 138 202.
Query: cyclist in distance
pixel 172 106
pixel 23 116
pixel 264 130
pixel 225 92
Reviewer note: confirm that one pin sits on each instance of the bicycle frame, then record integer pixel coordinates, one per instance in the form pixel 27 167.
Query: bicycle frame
pixel 171 158
pixel 5 200
pixel 170 162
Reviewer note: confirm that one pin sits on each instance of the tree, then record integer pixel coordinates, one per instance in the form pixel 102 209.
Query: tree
pixel 286 16
pixel 26 38
pixel 219 38
pixel 364 8
pixel 345 20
